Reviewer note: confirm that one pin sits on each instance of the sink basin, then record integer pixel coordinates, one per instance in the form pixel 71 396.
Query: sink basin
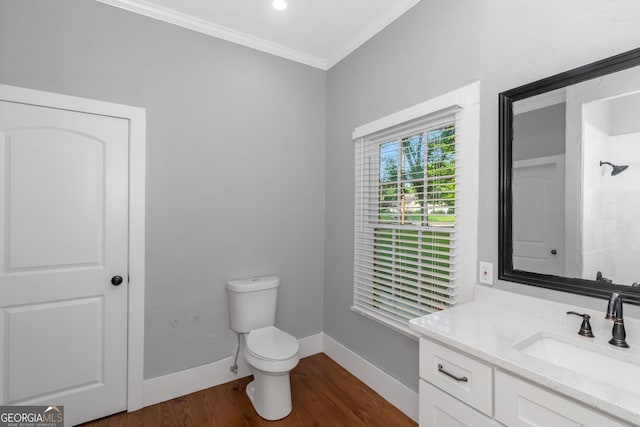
pixel 586 359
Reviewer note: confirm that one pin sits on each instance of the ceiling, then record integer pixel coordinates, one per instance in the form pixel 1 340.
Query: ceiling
pixel 318 33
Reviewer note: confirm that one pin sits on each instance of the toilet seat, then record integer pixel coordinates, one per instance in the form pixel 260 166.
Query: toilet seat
pixel 271 344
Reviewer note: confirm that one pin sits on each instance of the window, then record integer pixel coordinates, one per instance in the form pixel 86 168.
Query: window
pixel 407 225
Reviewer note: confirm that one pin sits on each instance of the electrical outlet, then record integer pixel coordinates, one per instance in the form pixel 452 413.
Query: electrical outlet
pixel 486 273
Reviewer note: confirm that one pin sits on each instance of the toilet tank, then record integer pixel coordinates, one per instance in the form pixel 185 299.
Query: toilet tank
pixel 252 303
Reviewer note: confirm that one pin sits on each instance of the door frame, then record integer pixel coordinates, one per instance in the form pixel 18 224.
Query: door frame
pixel 136 259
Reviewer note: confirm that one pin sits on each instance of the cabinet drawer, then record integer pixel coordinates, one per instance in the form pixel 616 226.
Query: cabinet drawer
pixel 438 409
pixel 459 375
pixel 522 404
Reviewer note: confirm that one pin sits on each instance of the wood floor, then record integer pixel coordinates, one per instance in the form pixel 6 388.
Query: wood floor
pixel 323 393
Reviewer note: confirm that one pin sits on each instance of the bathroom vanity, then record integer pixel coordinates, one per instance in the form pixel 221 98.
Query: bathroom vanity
pixel 509 359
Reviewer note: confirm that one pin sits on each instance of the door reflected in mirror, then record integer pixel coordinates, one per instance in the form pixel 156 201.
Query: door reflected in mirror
pixel 569 217
pixel 576 180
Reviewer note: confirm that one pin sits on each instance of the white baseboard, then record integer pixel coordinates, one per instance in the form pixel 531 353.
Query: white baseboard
pixel 392 390
pixel 180 383
pixel 310 345
pixel 188 381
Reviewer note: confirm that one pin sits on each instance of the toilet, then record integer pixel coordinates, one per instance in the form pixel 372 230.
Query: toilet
pixel 270 352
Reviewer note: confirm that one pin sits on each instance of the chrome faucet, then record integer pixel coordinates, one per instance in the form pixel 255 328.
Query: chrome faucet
pixel 614 312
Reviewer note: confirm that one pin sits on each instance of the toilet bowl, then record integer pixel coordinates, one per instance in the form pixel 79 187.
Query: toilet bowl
pixel 270 352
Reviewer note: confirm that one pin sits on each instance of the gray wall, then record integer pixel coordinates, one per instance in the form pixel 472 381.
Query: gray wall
pixel 236 146
pixel 235 161
pixel 539 133
pixel 438 46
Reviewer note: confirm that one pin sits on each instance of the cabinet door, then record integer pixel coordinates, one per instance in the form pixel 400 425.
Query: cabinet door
pixel 438 409
pixel 522 404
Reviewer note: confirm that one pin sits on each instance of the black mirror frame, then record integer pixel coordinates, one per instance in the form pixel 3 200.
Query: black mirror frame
pixel 505 240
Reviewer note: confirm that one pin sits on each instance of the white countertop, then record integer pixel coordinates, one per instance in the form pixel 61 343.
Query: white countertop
pixel 490 326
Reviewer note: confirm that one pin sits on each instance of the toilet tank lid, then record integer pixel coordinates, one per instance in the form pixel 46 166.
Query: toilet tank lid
pixel 254 284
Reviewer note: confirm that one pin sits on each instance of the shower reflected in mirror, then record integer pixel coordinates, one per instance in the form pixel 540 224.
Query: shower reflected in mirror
pixel 568 221
pixel 616 169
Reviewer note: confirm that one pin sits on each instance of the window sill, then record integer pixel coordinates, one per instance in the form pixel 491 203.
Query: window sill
pixel 403 329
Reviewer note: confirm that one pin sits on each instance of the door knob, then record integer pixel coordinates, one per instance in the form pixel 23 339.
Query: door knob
pixel 116 280
pixel 554 252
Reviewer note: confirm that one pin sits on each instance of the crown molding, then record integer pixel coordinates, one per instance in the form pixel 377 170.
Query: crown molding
pixel 371 30
pixel 180 19
pixel 187 21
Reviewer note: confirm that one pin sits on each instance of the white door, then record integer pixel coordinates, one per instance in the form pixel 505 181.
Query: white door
pixel 63 228
pixel 538 215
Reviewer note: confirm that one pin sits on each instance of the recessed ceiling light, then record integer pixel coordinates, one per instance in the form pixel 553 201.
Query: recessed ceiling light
pixel 279 4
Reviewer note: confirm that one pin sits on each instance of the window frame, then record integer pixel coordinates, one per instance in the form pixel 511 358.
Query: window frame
pixel 463 104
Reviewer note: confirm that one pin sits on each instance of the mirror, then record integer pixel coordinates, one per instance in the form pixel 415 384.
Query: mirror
pixel 570 180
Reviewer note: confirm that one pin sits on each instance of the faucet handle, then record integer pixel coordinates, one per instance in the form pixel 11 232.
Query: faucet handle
pixel 585 328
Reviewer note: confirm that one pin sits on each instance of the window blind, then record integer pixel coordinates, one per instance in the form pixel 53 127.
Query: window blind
pixel 406 207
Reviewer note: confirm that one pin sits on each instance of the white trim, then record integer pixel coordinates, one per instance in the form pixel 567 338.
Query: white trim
pixel 539 161
pixel 392 390
pixel 459 98
pixel 188 381
pixel 546 99
pixel 72 103
pixel 160 13
pixel 137 129
pixel 469 189
pixel 466 103
pixel 310 345
pixel 137 254
pixel 398 9
pixel 180 19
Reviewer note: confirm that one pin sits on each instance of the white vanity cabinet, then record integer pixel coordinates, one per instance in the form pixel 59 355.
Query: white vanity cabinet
pixel 439 409
pixel 455 390
pixel 519 403
pixel 458 390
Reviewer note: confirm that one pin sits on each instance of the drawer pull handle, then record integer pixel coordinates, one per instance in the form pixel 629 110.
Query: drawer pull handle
pixel 462 379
